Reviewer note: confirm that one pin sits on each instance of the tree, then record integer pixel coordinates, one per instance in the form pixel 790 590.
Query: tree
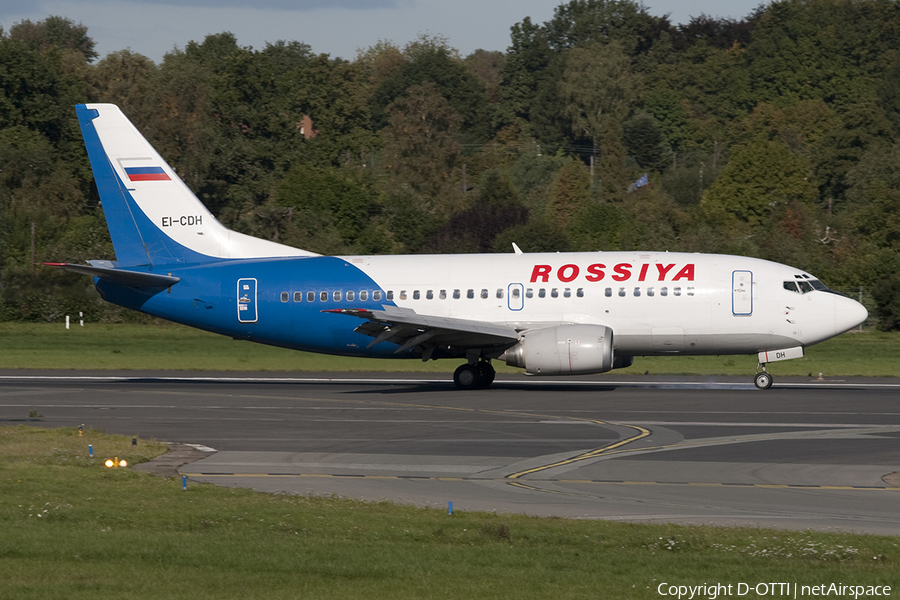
pixel 860 128
pixel 716 32
pixel 829 49
pixel 599 89
pixel 343 195
pixel 496 209
pixel 645 142
pixel 760 177
pixel 54 32
pixel 569 192
pixel 431 61
pixel 590 22
pixel 420 147
pixel 887 298
pixel 126 79
pixel 335 96
pixel 525 72
pixel 874 196
pixel 487 67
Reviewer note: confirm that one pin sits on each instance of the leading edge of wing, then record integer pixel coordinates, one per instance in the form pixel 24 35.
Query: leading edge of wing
pixel 408 328
pixel 122 276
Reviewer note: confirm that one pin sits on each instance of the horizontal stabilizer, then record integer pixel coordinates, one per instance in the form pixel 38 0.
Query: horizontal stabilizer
pixel 122 276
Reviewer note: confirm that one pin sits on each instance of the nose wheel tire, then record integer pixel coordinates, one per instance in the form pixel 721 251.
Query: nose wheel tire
pixel 763 380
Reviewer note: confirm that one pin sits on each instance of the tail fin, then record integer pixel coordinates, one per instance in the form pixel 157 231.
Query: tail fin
pixel 153 217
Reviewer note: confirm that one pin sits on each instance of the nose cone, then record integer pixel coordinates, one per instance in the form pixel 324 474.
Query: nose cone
pixel 848 314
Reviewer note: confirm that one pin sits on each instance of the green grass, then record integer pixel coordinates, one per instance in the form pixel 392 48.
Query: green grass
pixel 168 346
pixel 72 529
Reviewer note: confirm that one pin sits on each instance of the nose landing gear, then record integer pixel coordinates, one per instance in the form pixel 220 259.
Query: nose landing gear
pixel 763 379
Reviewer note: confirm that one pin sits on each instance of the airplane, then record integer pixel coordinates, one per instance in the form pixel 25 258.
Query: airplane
pixel 547 313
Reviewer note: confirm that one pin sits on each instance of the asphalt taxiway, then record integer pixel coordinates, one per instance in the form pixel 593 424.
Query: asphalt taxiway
pixel 806 454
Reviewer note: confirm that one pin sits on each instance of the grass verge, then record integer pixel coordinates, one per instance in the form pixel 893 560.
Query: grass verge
pixel 169 346
pixel 73 529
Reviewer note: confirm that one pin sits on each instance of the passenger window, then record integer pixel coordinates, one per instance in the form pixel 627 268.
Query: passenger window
pixel 337 296
pixel 516 293
pixel 351 296
pixel 554 293
pixel 285 296
pixel 608 292
pixel 580 293
pixel 298 296
pixel 323 296
pixel 403 294
pixel 416 295
pixel 637 292
pixel 429 295
pixel 676 291
pixel 663 291
pixel 650 291
pixel 310 296
pixel 456 294
pixel 621 292
pixel 390 295
pixel 690 291
pixel 484 294
pixel 376 295
pixel 567 293
pixel 542 293
pixel 363 295
pixel 529 293
pixel 470 294
pixel 499 293
pixel 443 295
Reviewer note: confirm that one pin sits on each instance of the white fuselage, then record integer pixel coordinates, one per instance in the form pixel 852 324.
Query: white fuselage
pixel 656 303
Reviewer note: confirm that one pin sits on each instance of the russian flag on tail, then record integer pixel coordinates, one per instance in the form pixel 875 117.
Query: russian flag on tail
pixel 146 174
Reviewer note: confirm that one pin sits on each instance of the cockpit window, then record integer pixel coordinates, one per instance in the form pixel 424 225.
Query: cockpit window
pixel 804 286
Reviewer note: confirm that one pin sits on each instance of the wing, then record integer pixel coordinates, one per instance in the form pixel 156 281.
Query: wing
pixel 448 336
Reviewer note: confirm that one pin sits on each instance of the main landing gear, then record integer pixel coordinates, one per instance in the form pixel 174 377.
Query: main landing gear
pixel 763 379
pixel 475 376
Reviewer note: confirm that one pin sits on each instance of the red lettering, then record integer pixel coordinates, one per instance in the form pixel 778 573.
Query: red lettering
pixel 567 277
pixel 663 270
pixel 623 272
pixel 643 274
pixel 686 273
pixel 596 272
pixel 541 272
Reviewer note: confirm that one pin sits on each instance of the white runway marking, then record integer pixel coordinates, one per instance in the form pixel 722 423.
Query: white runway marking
pixel 529 382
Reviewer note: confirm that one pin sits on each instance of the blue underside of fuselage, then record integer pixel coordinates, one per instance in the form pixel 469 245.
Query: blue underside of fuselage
pixel 207 298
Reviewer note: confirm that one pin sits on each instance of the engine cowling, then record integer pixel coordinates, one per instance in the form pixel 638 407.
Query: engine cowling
pixel 564 350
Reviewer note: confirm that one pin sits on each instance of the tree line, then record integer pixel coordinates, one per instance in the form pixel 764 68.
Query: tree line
pixel 773 136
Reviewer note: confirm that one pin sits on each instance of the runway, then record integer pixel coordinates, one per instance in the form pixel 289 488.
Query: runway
pixel 805 454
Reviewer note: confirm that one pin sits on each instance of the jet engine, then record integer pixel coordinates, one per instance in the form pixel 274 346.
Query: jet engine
pixel 564 350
